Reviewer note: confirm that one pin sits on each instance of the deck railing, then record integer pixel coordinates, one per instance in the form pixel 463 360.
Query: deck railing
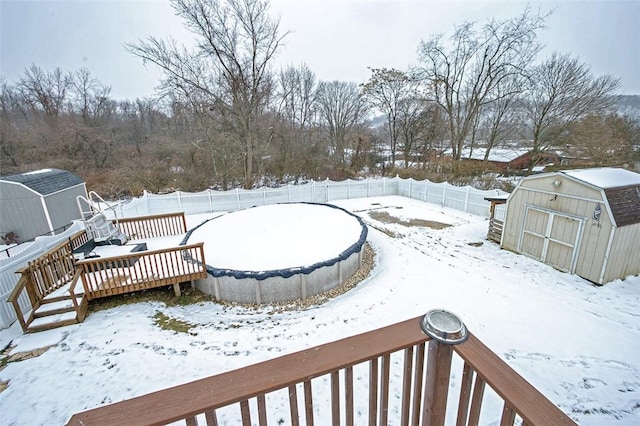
pixel 142 270
pixel 162 225
pixel 393 375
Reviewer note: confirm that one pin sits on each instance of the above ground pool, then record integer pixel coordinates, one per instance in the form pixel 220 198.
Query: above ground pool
pixel 280 252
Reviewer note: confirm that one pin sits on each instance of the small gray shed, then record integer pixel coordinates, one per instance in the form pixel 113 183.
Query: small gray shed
pixel 39 202
pixel 585 222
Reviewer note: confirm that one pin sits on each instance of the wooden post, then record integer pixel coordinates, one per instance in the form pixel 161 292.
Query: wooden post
pixel 437 383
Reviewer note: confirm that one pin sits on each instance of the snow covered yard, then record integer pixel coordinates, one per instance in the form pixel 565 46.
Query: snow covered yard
pixel 577 343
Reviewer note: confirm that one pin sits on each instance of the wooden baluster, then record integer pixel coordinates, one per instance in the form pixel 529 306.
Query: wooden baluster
pixel 335 398
pixel 246 414
pixel 373 392
pixel 508 416
pixel 465 395
pixel 406 386
pixel 293 405
pixel 418 379
pixel 384 391
pixel 348 395
pixel 308 403
pixel 262 410
pixel 476 401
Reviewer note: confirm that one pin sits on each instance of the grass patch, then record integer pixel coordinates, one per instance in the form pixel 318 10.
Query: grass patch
pixel 165 295
pixel 172 324
pixel 385 217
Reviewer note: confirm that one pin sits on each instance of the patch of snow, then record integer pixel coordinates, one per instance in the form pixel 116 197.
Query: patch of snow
pixel 605 177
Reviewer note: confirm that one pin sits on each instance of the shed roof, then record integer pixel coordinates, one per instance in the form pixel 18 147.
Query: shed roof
pixel 605 177
pixel 45 181
pixel 622 188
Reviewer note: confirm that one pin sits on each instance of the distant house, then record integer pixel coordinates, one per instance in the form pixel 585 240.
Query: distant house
pixel 39 202
pixel 585 222
pixel 511 159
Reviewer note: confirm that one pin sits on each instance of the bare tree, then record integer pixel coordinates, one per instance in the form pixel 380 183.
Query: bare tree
pixel 465 76
pixel 10 146
pixel 297 87
pixel 229 70
pixel 45 91
pixel 385 91
pixel 562 91
pixel 340 108
pixel 603 139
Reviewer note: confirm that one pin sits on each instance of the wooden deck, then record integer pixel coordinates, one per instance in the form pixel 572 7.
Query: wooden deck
pixel 59 287
pixel 357 374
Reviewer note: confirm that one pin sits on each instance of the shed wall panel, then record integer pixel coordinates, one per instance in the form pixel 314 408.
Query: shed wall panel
pixel 63 208
pixel 21 212
pixel 625 253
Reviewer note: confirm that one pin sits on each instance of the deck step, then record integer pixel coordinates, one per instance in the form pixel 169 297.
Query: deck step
pixel 53 321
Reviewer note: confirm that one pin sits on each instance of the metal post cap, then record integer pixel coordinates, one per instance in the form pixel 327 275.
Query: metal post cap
pixel 444 326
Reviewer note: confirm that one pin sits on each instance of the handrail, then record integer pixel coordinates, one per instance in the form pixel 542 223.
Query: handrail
pixel 93 206
pixel 13 299
pixel 153 226
pixel 424 385
pixel 140 270
pixel 519 394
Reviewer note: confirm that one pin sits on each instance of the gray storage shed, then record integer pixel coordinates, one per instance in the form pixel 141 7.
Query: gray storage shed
pixel 585 222
pixel 39 202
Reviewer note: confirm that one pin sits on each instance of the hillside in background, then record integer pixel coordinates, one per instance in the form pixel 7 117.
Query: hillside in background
pixel 629 105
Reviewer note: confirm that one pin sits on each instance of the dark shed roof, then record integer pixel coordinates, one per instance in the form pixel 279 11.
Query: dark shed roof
pixel 46 181
pixel 625 204
pixel 622 188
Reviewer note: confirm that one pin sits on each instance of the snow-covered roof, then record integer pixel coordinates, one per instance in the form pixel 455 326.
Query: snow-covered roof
pixel 498 155
pixel 605 177
pixel 622 188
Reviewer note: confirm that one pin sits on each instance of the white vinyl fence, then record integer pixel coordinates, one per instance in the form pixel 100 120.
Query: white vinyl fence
pixel 466 199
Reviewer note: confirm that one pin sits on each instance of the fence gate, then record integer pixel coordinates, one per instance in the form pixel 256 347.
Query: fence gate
pixel 551 237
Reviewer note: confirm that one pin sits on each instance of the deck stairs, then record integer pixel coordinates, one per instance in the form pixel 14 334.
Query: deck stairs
pixel 58 310
pixel 99 228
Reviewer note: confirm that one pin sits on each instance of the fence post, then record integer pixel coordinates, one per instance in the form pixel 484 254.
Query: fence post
pixel 384 186
pixel 426 189
pixel 264 196
pixel 179 201
pixel 444 193
pixel 410 186
pixel 348 189
pixel 288 193
pixel 238 197
pixel 327 192
pixel 145 195
pixel 466 200
pixel 210 201
pixel 313 192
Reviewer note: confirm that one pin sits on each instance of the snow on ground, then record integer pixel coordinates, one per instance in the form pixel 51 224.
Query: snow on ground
pixel 579 344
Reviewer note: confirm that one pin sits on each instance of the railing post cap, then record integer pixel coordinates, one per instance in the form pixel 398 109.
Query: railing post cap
pixel 444 326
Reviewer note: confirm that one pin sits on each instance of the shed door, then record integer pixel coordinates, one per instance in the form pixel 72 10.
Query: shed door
pixel 551 237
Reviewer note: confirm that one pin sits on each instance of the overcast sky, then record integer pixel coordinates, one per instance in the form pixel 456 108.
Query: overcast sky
pixel 337 39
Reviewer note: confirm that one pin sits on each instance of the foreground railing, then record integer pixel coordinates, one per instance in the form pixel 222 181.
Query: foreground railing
pixel 162 225
pixel 390 375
